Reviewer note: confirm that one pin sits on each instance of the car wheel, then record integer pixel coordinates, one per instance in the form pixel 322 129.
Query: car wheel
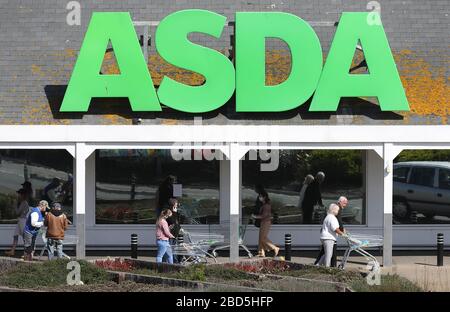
pixel 401 209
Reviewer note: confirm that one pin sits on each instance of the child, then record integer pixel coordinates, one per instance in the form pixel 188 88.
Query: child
pixel 56 222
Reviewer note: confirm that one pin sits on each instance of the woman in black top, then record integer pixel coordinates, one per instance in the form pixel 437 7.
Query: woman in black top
pixel 174 223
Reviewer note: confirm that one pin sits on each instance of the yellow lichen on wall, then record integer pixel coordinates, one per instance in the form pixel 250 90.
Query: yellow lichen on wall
pixel 278 66
pixel 426 86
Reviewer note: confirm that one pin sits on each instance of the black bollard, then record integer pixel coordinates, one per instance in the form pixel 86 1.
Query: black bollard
pixel 134 246
pixel 287 247
pixel 440 249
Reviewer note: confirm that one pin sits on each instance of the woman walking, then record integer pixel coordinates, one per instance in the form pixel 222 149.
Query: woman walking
pixel 22 209
pixel 174 224
pixel 162 237
pixel 328 234
pixel 265 217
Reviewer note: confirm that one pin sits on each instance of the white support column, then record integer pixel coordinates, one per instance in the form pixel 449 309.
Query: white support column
pixel 81 153
pixel 234 201
pixel 387 203
pixel 90 190
pixel 224 196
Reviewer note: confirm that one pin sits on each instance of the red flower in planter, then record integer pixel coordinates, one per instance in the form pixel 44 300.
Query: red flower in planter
pixel 115 265
pixel 265 266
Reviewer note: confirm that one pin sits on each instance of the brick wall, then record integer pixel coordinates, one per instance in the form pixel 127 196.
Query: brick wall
pixel 38 50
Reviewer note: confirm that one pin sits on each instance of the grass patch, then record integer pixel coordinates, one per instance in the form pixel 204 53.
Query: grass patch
pixel 356 280
pixel 389 283
pixel 323 274
pixel 200 272
pixel 50 274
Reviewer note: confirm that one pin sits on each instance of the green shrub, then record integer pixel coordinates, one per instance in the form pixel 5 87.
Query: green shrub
pixel 194 273
pixel 226 273
pixel 389 283
pixel 50 274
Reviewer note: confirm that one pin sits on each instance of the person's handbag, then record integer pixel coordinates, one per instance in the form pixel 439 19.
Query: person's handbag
pixel 257 223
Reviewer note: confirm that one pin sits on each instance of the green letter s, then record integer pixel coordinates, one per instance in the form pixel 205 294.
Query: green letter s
pixel 173 45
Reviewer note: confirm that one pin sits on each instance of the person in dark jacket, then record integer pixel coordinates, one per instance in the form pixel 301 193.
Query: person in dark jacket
pixel 174 224
pixel 165 192
pixel 312 197
pixel 342 203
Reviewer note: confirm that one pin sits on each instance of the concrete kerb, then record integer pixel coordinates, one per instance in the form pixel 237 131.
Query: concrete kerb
pixel 119 277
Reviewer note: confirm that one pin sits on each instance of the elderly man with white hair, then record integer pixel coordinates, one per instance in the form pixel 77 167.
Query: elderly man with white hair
pixel 342 203
pixel 328 234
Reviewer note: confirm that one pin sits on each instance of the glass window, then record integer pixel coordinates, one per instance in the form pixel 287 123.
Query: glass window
pixel 401 174
pixel 422 176
pixel 444 179
pixel 45 174
pixel 420 202
pixel 283 176
pixel 131 186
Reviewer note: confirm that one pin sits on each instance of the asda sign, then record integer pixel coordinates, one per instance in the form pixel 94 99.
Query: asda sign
pixel 327 83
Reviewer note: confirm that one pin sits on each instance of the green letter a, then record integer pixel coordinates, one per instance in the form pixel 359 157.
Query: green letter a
pixel 134 80
pixel 383 80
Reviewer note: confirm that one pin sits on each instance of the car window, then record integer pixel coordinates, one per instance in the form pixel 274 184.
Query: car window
pixel 422 176
pixel 444 179
pixel 401 174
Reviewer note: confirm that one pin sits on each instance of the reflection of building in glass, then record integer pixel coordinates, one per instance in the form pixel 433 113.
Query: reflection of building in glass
pixel 48 171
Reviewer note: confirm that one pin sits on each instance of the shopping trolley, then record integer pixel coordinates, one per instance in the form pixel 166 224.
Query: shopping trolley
pixel 226 245
pixel 68 240
pixel 195 247
pixel 190 213
pixel 360 242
